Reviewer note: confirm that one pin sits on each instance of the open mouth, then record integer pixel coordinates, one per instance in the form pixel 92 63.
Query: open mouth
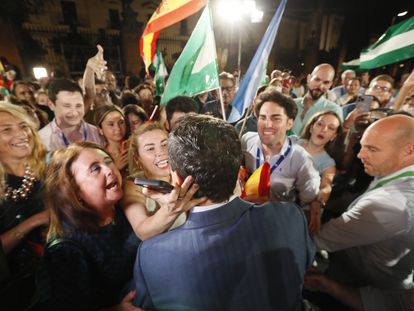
pixel 320 136
pixel 162 164
pixel 112 186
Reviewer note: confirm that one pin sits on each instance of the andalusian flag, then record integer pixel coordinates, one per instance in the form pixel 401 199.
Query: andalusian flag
pixel 168 12
pixel 196 70
pixel 160 73
pixel 395 45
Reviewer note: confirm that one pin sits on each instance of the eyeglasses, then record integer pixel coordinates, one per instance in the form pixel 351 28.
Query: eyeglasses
pixel 228 88
pixel 380 88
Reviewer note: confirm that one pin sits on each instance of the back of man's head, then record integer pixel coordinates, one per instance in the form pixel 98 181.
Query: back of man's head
pixel 209 150
pixel 62 84
pixel 183 104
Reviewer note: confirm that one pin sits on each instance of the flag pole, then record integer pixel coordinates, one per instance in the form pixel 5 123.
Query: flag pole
pixel 244 120
pixel 223 111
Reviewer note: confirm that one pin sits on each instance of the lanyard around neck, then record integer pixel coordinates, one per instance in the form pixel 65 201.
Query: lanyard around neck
pixel 278 162
pixel 85 135
pixel 386 181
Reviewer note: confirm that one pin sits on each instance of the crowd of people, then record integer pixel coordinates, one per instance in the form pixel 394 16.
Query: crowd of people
pixel 334 229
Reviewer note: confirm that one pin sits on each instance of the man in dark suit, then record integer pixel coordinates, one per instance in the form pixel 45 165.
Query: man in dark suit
pixel 230 254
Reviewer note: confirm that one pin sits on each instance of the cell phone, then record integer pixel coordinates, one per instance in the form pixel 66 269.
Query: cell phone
pixel 154 184
pixel 364 103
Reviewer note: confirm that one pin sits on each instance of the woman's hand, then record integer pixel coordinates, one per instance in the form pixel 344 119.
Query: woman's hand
pixel 121 161
pixel 314 217
pixel 126 304
pixel 179 200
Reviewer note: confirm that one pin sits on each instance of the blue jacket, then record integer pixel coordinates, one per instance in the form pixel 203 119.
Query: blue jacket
pixel 237 257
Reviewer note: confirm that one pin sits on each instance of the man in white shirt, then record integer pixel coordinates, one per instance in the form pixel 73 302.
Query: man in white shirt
pixel 373 240
pixel 291 166
pixel 66 101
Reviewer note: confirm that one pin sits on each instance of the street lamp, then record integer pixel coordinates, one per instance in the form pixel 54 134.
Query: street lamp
pixel 39 72
pixel 240 10
pixel 401 14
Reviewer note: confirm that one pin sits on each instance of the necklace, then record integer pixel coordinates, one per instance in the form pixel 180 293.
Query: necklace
pixel 23 191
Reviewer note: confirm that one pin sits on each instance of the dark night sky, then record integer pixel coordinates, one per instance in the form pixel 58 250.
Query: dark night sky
pixel 364 19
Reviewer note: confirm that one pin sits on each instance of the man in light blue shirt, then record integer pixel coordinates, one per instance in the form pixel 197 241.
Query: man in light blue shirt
pixel 314 101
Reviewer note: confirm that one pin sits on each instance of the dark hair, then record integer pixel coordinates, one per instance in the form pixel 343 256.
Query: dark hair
pixel 180 104
pixel 143 86
pixel 209 150
pixel 137 110
pixel 129 98
pixel 62 193
pixel 102 111
pixel 271 95
pixel 16 83
pixel 383 77
pixel 62 84
pixel 306 134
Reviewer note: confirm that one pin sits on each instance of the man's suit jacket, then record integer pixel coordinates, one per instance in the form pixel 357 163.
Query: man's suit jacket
pixel 236 257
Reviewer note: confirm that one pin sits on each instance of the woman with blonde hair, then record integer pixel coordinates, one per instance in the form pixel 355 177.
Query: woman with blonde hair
pixel 22 216
pixel 148 158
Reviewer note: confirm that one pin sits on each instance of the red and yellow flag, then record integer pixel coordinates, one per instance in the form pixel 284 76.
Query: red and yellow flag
pixel 169 12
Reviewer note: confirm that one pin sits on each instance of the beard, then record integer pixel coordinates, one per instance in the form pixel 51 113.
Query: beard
pixel 316 93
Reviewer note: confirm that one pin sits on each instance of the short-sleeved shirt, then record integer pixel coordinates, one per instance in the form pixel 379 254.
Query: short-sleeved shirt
pixel 321 161
pixel 53 137
pixel 322 104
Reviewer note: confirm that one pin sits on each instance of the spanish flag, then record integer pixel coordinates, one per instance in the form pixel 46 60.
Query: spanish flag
pixel 169 12
pixel 258 184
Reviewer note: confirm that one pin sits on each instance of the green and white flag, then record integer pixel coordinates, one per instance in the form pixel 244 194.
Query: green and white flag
pixel 395 45
pixel 160 73
pixel 196 70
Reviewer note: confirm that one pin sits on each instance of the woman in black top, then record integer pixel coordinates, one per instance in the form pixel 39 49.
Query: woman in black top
pixel 91 247
pixel 22 218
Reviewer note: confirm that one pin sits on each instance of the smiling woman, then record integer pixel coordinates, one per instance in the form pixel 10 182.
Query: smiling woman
pixel 148 158
pixel 91 247
pixel 21 209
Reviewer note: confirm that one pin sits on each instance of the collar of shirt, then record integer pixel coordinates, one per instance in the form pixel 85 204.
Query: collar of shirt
pixel 401 171
pixel 205 208
pixel 274 157
pixel 57 130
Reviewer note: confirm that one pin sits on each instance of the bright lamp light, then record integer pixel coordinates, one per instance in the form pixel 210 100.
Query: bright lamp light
pixel 40 72
pixel 257 16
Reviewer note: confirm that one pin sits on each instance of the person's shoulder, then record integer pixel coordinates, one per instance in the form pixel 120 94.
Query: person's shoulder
pixel 46 130
pixel 281 211
pixel 249 136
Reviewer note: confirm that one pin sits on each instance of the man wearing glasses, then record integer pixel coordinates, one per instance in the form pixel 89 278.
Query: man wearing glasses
pixel 228 89
pixel 382 88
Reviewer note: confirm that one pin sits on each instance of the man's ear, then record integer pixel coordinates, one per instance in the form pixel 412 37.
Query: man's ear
pixel 289 123
pixel 167 126
pixel 51 105
pixel 176 178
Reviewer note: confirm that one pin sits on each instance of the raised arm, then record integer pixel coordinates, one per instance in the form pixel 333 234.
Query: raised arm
pixel 96 65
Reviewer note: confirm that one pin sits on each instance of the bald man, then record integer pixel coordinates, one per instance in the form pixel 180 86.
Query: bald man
pixel 373 241
pixel 314 101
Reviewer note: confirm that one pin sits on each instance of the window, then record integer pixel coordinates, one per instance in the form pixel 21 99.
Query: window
pixel 114 20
